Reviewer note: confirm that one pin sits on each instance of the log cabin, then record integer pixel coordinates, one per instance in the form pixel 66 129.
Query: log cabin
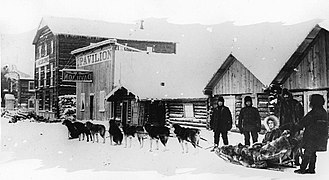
pixel 306 72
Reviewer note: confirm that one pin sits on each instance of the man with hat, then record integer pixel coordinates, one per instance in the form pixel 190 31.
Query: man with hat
pixel 249 121
pixel 220 122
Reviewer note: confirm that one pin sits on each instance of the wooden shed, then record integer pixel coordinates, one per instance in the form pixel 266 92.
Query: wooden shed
pixel 307 70
pixel 234 81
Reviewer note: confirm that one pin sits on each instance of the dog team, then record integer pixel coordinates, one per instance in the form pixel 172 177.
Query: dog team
pixel 92 131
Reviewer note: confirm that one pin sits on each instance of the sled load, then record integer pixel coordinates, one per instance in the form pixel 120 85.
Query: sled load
pixel 273 155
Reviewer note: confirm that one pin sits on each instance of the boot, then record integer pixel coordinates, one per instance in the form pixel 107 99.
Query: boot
pixel 311 166
pixel 215 147
pixel 305 162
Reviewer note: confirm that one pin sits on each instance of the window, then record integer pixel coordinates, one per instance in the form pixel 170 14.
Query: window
pixel 45 44
pixel 39 79
pixel 51 47
pixel 39 51
pixel 188 110
pixel 31 85
pixel 30 103
pixel 45 78
pixel 51 74
pixel 82 102
pixel 149 49
pixel 102 101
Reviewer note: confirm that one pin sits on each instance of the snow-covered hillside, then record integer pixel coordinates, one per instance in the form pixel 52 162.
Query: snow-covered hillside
pixel 31 150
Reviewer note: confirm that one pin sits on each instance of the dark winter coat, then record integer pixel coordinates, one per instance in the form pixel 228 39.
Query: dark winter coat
pixel 316 130
pixel 249 119
pixel 272 135
pixel 221 119
pixel 289 111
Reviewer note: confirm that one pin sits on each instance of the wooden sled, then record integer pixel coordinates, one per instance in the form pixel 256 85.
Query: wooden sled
pixel 273 162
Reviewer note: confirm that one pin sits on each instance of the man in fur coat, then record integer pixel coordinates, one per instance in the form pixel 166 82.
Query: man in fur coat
pixel 315 137
pixel 249 121
pixel 220 122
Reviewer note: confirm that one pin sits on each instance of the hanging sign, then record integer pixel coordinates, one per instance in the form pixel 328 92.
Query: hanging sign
pixel 77 75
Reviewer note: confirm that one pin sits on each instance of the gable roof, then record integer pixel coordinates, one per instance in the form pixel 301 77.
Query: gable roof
pixel 296 57
pixel 221 71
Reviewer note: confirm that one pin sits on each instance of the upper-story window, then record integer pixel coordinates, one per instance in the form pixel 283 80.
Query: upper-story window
pixel 39 51
pixel 45 44
pixel 51 47
pixel 31 85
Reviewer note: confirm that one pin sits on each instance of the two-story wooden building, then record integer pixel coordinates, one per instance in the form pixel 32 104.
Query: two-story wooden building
pixel 54 41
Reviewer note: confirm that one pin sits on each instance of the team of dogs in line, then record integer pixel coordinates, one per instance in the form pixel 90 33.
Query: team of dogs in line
pixel 92 131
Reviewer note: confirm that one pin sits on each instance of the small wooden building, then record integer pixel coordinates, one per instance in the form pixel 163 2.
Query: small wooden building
pixel 307 70
pixel 234 81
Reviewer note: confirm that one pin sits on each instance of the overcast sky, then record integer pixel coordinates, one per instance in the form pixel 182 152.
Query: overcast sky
pixel 18 16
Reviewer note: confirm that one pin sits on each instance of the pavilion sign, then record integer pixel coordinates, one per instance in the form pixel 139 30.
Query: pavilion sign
pixel 77 75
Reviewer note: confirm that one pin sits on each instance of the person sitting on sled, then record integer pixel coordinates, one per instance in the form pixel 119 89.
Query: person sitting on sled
pixel 273 132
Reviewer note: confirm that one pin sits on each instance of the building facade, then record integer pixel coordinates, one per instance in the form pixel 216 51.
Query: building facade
pixel 306 72
pixel 234 81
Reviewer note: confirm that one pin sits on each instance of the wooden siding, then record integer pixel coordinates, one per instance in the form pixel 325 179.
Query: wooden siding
pixel 175 112
pixel 313 70
pixel 102 81
pixel 237 80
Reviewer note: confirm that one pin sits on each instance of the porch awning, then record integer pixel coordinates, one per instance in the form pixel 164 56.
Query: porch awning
pixel 112 92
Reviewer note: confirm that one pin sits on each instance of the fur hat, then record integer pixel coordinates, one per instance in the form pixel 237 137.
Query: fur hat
pixel 317 100
pixel 247 98
pixel 285 91
pixel 271 118
pixel 220 98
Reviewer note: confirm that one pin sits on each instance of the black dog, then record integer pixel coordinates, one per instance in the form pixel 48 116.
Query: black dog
pixel 185 135
pixel 75 130
pixel 115 133
pixel 129 131
pixel 84 131
pixel 96 129
pixel 156 133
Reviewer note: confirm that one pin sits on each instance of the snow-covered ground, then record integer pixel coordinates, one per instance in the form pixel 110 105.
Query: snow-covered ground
pixel 31 150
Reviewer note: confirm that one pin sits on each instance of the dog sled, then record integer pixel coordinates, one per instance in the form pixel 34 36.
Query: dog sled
pixel 275 155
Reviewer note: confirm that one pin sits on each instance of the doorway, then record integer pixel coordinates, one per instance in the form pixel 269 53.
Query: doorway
pixel 91 110
pixel 124 113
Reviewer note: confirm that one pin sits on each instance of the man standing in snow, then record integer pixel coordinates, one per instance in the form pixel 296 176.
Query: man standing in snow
pixel 289 110
pixel 220 122
pixel 249 121
pixel 315 137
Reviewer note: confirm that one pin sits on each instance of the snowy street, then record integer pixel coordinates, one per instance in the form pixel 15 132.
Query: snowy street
pixel 31 150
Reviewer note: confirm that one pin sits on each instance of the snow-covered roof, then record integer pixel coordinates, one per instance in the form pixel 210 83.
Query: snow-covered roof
pixel 155 76
pixel 201 49
pixel 92 28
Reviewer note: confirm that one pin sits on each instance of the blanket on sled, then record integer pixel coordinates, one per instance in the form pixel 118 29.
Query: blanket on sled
pixel 270 155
